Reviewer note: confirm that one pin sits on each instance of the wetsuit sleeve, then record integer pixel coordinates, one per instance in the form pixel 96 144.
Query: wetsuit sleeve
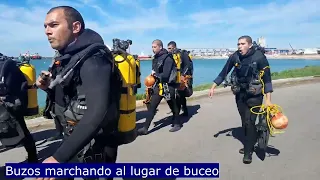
pixel 263 63
pixel 18 85
pixel 225 71
pixel 167 67
pixel 95 75
pixel 185 63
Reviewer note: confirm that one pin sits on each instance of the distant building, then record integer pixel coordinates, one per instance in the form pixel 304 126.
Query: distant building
pixel 261 41
pixel 311 51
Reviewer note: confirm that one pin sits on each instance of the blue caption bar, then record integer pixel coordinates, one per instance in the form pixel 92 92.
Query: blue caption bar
pixel 128 170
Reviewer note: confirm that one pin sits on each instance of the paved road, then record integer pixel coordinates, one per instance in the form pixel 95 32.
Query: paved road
pixel 293 155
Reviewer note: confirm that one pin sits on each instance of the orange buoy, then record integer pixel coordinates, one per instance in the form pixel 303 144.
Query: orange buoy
pixel 183 82
pixel 279 121
pixel 149 81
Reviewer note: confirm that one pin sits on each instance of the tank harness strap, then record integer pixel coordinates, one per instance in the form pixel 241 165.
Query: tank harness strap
pixel 76 61
pixel 124 90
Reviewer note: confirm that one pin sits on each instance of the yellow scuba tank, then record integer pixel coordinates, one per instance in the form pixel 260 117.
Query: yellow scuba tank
pixel 29 72
pixel 127 122
pixel 177 59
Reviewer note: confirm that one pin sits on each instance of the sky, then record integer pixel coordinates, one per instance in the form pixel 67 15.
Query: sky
pixel 191 23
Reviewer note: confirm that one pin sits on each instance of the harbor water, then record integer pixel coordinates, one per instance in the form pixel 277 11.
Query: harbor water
pixel 205 70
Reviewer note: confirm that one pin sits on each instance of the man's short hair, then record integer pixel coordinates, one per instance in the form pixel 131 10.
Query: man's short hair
pixel 158 42
pixel 247 38
pixel 172 43
pixel 71 14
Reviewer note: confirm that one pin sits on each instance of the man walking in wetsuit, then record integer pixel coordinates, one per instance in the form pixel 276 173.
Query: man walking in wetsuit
pixel 14 91
pixel 163 65
pixel 65 29
pixel 248 62
pixel 185 70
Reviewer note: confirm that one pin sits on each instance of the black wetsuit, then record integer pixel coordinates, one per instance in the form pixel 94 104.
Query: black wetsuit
pixel 162 65
pixel 56 103
pixel 17 86
pixel 245 101
pixel 185 70
pixel 94 75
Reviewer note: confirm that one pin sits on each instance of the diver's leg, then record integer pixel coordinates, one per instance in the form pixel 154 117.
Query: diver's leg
pixel 155 101
pixel 176 121
pixel 183 101
pixel 28 141
pixel 242 106
pixel 110 157
pixel 250 129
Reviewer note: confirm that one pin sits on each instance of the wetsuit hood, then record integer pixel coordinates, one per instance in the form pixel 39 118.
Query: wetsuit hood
pixel 161 52
pixel 86 38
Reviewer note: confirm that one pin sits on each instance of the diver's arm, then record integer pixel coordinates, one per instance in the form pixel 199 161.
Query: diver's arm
pixel 224 72
pixel 95 75
pixel 267 80
pixel 185 63
pixel 264 65
pixel 167 67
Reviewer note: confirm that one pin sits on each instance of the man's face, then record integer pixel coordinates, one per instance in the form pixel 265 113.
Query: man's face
pixel 171 48
pixel 57 29
pixel 155 48
pixel 243 46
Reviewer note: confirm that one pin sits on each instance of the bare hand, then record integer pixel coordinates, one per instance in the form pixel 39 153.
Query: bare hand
pixel 268 103
pixel 43 80
pixel 211 92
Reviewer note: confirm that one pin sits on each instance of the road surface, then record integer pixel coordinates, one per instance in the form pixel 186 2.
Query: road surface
pixel 293 155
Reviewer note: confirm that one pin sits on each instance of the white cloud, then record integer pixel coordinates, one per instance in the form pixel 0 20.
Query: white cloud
pixel 23 25
pixel 294 22
pixel 294 19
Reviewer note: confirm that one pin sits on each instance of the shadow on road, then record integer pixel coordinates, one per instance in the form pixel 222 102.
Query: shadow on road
pixel 168 120
pixel 142 114
pixel 37 136
pixel 238 134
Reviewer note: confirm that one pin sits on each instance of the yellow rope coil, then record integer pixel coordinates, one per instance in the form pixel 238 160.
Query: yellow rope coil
pixel 269 111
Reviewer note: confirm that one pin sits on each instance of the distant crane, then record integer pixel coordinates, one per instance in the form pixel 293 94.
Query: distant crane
pixel 293 51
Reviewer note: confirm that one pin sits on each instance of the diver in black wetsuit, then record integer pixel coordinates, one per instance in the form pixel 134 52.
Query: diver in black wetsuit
pixel 163 69
pixel 248 61
pixel 185 70
pixel 65 29
pixel 14 102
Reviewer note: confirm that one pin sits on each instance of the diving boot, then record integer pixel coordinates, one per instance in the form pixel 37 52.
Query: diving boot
pixel 142 131
pixel 247 158
pixel 176 127
pixel 241 151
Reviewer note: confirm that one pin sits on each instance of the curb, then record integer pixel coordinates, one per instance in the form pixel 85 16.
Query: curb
pixel 39 121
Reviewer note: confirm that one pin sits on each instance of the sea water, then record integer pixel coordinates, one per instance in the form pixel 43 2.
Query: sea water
pixel 205 70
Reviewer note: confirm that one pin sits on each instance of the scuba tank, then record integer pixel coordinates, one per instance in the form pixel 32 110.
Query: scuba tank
pixel 127 121
pixel 29 72
pixel 127 66
pixel 177 59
